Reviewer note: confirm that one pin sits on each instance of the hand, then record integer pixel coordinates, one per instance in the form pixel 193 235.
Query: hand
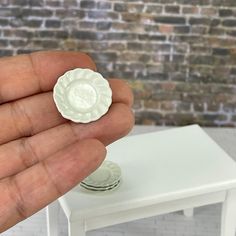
pixel 43 155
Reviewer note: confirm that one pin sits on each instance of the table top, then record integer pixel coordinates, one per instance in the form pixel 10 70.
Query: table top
pixel 158 167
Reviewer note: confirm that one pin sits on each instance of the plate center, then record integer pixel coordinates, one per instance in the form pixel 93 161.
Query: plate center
pixel 101 175
pixel 81 95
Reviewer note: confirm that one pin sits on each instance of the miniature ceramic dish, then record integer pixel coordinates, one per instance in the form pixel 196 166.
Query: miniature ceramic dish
pixel 82 95
pixel 100 188
pixel 106 177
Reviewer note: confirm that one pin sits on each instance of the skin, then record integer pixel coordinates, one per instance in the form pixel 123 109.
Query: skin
pixel 43 155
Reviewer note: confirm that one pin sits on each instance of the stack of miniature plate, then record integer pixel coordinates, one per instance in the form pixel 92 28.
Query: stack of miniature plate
pixel 106 177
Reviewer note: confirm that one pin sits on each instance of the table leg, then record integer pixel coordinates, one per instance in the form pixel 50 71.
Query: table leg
pixel 52 218
pixel 228 221
pixel 76 229
pixel 188 212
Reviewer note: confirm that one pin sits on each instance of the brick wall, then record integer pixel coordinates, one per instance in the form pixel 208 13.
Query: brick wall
pixel 178 55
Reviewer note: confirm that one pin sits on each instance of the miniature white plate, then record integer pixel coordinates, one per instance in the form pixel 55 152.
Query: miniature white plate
pixel 82 95
pixel 101 189
pixel 98 187
pixel 107 175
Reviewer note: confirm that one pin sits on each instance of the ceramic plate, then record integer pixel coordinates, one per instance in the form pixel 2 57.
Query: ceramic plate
pixel 108 174
pixel 100 188
pixel 82 95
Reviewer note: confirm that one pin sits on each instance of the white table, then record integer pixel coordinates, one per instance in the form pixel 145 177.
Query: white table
pixel 163 172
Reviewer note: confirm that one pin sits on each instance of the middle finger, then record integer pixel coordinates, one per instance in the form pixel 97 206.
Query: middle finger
pixel 29 116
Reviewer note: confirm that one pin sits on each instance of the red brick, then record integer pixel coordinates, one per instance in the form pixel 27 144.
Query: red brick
pixel 166 29
pixel 191 10
pixel 168 86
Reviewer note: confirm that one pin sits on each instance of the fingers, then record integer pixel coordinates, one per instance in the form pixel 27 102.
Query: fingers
pixel 47 180
pixel 29 74
pixel 121 89
pixel 28 116
pixel 24 153
pixel 31 115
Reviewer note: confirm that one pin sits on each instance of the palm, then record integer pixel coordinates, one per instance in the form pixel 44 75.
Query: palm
pixel 42 155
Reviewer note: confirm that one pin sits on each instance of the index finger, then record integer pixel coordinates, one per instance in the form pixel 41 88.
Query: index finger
pixel 28 74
